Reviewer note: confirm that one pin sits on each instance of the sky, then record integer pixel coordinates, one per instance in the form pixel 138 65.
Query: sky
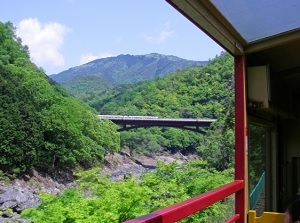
pixel 62 34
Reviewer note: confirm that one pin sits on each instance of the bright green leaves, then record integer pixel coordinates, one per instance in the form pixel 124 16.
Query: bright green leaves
pixel 97 199
pixel 75 135
pixel 106 202
pixel 40 124
pixel 20 132
pixel 141 141
pixel 201 92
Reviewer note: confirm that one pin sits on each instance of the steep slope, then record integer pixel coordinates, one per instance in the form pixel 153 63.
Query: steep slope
pixel 40 124
pixel 126 69
pixel 86 86
pixel 193 92
pixel 201 92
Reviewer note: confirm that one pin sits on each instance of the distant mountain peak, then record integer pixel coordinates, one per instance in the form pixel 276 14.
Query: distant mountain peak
pixel 127 69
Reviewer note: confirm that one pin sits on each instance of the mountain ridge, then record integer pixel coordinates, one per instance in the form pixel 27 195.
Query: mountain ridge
pixel 127 69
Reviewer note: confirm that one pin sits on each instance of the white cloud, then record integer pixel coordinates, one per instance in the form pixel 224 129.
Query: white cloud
pixel 44 40
pixel 85 58
pixel 162 36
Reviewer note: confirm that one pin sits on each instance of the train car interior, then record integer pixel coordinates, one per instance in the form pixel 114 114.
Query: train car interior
pixel 273 88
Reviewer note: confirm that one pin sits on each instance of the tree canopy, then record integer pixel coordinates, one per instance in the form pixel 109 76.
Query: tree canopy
pixel 118 201
pixel 198 92
pixel 40 124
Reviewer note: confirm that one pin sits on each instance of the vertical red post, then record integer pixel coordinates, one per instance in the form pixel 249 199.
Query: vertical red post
pixel 240 134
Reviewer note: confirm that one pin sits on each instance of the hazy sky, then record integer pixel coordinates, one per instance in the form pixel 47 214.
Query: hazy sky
pixel 66 33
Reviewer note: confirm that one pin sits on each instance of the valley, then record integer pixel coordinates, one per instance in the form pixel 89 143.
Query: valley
pixel 49 138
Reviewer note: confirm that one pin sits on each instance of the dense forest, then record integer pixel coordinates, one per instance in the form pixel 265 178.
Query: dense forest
pixel 42 126
pixel 198 92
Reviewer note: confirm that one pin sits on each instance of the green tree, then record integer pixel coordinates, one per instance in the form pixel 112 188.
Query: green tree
pixel 41 124
pixel 201 92
pixel 97 199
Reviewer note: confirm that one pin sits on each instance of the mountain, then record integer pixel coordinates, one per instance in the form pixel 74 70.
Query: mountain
pixel 119 70
pixel 128 69
pixel 196 92
pixel 191 93
pixel 84 86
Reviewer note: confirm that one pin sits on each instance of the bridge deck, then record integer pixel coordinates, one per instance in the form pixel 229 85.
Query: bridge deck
pixel 148 121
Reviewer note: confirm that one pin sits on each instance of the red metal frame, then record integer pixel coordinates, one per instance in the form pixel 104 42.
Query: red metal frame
pixel 233 219
pixel 183 209
pixel 240 133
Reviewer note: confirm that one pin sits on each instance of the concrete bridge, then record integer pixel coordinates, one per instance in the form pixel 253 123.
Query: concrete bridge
pixel 133 122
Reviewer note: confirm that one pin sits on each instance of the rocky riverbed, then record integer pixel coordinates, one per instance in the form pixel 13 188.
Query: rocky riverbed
pixel 22 193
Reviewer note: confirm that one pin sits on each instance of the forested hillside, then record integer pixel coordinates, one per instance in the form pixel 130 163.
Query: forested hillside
pixel 201 92
pixel 205 92
pixel 40 124
pixel 97 76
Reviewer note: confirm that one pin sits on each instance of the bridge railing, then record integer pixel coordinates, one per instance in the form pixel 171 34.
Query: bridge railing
pixel 184 209
pixel 121 117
